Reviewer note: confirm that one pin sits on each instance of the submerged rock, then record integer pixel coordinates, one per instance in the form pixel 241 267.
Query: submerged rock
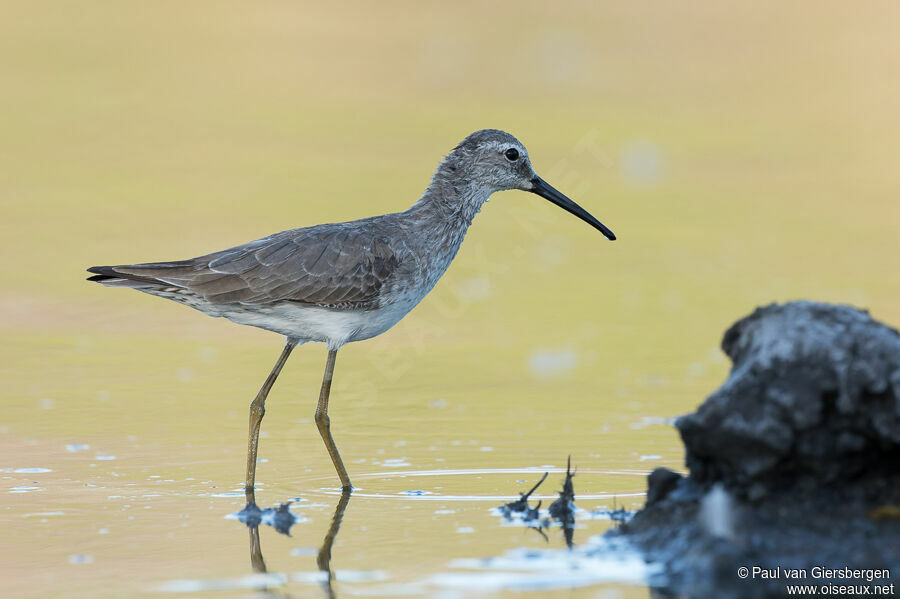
pixel 561 511
pixel 520 508
pixel 563 508
pixel 794 462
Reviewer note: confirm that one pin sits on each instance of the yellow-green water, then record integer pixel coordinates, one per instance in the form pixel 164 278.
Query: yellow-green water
pixel 742 154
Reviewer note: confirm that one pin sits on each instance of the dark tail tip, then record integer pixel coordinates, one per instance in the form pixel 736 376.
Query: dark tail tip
pixel 103 273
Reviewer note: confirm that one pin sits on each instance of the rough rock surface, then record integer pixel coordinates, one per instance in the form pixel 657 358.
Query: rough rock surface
pixel 794 461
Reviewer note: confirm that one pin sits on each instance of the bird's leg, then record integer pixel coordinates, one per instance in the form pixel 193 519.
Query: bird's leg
pixel 324 423
pixel 257 411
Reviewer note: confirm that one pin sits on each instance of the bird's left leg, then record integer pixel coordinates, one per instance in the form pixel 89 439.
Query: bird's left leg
pixel 257 411
pixel 324 423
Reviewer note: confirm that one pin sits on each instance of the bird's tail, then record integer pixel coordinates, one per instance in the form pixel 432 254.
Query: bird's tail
pixel 138 276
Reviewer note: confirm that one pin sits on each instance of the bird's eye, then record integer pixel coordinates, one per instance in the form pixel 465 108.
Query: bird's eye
pixel 512 154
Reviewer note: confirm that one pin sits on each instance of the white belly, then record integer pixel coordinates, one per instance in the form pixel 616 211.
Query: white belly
pixel 310 323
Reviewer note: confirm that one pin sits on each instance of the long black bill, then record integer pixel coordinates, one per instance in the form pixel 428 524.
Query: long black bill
pixel 548 192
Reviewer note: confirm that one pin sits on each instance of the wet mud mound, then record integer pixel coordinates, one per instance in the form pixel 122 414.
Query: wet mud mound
pixel 794 464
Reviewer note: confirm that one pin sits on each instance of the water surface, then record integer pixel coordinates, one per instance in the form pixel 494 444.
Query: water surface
pixel 742 154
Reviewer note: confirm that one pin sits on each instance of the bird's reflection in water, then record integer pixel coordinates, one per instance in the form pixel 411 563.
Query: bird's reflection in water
pixel 281 519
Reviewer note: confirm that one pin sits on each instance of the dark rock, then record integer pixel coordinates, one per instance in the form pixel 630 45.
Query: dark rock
pixel 563 508
pixel 520 508
pixel 813 398
pixel 794 461
pixel 660 483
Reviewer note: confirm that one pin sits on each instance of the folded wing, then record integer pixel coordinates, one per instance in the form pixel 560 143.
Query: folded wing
pixel 335 267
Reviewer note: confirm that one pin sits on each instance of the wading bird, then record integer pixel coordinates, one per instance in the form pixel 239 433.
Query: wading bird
pixel 343 282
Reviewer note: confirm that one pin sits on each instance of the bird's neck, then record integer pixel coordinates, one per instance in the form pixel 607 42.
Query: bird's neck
pixel 451 201
pixel 441 217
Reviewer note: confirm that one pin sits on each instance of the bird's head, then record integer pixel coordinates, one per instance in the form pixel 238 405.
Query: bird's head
pixel 494 160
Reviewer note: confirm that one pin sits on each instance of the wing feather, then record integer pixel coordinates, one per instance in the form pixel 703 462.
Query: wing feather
pixel 339 266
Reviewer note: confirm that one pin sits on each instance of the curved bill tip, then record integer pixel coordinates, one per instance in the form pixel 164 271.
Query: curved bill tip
pixel 548 192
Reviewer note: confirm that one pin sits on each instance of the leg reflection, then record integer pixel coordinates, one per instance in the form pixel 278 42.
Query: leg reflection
pixel 251 515
pixel 256 557
pixel 281 519
pixel 323 560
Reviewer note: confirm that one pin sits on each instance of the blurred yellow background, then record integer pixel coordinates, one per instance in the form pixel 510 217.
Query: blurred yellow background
pixel 743 153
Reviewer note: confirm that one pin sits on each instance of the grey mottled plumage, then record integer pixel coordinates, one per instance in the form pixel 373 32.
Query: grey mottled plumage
pixel 383 265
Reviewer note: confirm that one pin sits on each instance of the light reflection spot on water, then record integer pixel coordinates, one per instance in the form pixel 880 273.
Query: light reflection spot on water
pixel 80 558
pixel 31 470
pixel 652 421
pixel 253 581
pixel 75 447
pixel 598 561
pixel 546 362
pixel 641 162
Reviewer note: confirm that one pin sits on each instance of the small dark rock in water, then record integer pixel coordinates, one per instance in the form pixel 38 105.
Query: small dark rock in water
pixel 520 507
pixel 660 483
pixel 280 518
pixel 794 462
pixel 563 509
pixel 619 515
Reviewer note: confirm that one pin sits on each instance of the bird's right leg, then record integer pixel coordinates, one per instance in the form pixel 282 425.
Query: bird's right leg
pixel 323 422
pixel 257 411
